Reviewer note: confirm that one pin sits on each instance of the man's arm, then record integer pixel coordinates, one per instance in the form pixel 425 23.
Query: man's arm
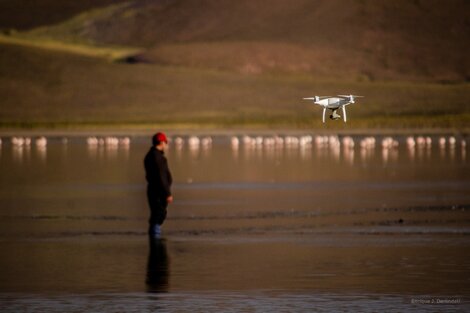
pixel 163 172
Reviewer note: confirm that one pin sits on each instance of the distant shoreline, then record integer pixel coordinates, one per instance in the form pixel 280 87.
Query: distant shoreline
pixel 230 131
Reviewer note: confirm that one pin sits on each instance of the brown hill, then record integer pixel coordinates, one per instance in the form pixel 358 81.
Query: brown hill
pixel 26 14
pixel 55 89
pixel 353 39
pixel 229 63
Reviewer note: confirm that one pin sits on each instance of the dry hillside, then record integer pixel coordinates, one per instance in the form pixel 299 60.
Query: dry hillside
pixel 229 63
pixel 27 14
pixel 356 39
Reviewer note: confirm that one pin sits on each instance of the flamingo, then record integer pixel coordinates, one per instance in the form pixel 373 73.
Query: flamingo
pixel 41 142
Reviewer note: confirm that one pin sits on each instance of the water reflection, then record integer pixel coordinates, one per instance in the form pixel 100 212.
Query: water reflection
pixel 389 154
pixel 340 149
pixel 42 153
pixel 464 150
pixel 18 153
pixel 157 266
pixel 348 155
pixel 283 190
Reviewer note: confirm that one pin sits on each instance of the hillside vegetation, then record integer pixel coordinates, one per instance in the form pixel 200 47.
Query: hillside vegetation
pixel 27 14
pixel 357 39
pixel 238 63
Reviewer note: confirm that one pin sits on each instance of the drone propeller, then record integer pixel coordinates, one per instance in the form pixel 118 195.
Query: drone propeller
pixel 317 98
pixel 351 97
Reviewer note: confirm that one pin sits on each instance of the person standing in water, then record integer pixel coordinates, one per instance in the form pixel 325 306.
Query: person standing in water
pixel 159 181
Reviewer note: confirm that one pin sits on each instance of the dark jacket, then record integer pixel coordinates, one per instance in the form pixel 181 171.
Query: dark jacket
pixel 157 172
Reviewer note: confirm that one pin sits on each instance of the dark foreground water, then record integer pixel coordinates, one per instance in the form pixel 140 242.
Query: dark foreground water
pixel 263 225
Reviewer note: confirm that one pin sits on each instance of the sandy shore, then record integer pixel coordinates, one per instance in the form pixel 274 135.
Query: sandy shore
pixel 195 130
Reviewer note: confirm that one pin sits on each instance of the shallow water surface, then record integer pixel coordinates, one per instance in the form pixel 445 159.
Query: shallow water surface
pixel 300 225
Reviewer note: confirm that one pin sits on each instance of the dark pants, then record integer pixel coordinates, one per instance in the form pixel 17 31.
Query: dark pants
pixel 158 205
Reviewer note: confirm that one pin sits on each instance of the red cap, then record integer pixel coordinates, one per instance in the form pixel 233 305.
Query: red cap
pixel 159 137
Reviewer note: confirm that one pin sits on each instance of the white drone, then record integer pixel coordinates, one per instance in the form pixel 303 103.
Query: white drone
pixel 334 103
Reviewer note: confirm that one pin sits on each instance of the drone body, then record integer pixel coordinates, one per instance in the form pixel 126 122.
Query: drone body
pixel 333 103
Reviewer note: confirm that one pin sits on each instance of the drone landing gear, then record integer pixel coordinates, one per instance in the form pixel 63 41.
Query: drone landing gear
pixel 334 115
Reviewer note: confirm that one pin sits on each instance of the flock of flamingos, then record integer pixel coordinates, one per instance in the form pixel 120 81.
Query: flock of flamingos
pixel 195 142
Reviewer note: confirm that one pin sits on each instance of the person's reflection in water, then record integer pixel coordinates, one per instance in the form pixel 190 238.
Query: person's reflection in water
pixel 157 266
